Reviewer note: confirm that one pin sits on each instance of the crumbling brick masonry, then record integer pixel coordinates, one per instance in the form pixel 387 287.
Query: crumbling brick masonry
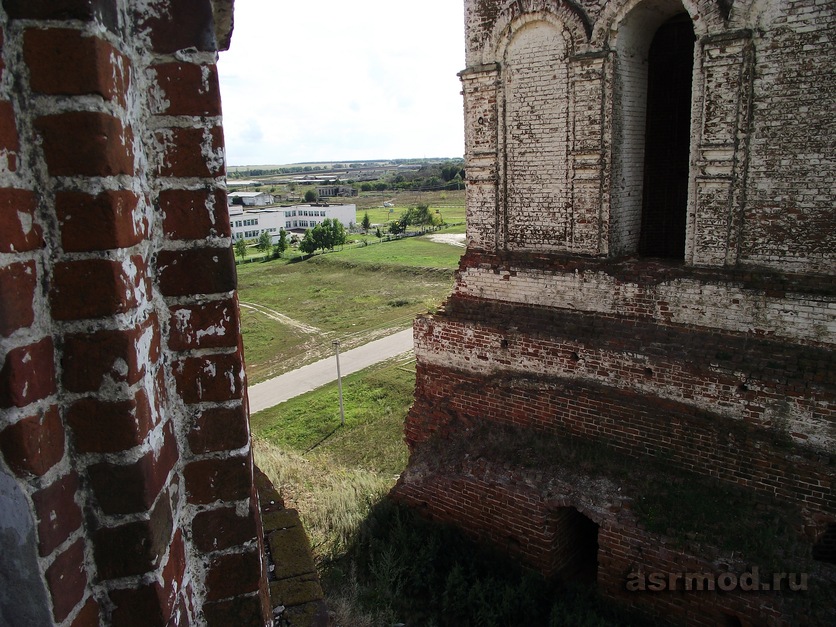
pixel 126 475
pixel 649 276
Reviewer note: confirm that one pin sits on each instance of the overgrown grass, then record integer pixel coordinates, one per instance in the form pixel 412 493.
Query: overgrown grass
pixel 401 567
pixel 333 501
pixel 335 474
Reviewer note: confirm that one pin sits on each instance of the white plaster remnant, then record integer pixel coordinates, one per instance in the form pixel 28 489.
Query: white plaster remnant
pixel 26 221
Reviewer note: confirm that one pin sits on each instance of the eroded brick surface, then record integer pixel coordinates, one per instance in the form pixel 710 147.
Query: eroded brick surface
pixel 116 275
pixel 718 360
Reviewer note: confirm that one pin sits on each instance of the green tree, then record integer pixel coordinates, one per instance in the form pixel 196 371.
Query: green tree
pixel 324 236
pixel 281 245
pixel 265 241
pixel 241 248
pixel 425 216
pixel 417 216
pixel 333 233
pixel 366 223
pixel 310 196
pixel 307 245
pixel 451 171
pixel 397 227
pixel 378 234
pixel 420 216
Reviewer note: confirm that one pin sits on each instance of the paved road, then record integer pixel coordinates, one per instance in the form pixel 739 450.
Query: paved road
pixel 307 378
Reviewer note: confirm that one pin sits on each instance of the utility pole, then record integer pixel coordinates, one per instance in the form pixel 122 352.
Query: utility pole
pixel 336 344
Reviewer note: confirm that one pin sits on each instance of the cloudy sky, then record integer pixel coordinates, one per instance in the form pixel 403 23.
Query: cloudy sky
pixel 330 80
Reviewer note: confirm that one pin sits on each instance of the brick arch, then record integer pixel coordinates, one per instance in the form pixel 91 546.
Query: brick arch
pixel 629 39
pixel 598 515
pixel 575 544
pixel 563 15
pixel 706 15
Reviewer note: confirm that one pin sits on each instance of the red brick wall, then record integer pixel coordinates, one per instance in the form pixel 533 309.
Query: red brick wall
pixel 721 364
pixel 519 510
pixel 447 400
pixel 124 415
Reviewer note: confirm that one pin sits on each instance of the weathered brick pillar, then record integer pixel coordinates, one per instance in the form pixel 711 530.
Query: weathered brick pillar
pixel 122 389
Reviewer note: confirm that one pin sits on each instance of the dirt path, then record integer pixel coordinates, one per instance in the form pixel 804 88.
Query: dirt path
pixel 280 317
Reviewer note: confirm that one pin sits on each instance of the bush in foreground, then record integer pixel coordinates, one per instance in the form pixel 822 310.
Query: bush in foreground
pixel 401 567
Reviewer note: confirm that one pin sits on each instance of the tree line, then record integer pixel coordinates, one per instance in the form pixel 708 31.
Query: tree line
pixel 324 236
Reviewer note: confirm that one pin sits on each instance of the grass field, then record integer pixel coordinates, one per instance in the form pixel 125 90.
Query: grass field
pixel 375 400
pixel 354 295
pixel 413 252
pixel 450 204
pixel 333 474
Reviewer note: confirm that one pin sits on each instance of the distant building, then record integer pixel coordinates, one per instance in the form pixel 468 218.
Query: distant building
pixel 251 199
pixel 297 218
pixel 330 191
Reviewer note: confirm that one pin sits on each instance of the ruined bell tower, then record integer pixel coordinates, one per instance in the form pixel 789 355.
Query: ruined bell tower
pixel 647 294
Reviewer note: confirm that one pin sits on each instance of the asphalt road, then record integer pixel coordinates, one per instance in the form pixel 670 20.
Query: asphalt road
pixel 274 391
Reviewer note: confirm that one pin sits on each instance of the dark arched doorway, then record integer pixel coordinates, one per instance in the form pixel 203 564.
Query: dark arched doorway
pixel 667 140
pixel 576 546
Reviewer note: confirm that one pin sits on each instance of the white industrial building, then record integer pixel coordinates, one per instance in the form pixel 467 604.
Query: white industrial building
pixel 297 218
pixel 251 199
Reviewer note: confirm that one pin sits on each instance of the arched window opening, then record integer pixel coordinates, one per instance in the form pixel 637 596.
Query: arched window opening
pixel 667 140
pixel 576 547
pixel 645 86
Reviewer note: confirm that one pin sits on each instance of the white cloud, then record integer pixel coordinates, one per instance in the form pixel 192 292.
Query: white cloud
pixel 329 79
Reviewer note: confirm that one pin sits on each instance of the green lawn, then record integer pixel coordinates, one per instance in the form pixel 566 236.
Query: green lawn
pixel 376 401
pixel 354 295
pixel 333 474
pixel 410 252
pixel 380 215
pixel 450 204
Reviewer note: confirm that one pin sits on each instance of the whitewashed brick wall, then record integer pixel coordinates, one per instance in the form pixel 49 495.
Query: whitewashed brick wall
pixel 565 156
pixel 536 121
